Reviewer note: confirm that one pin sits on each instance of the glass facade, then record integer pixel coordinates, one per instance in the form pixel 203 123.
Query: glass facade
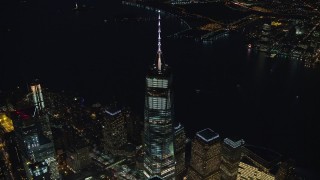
pixel 158 128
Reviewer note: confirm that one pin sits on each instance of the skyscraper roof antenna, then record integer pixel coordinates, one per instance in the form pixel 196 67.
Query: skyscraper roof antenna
pixel 159 63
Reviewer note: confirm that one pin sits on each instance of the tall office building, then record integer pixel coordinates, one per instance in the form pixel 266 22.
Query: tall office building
pixel 205 156
pixel 37 95
pixel 42 118
pixel 230 156
pixel 114 131
pixel 158 118
pixel 180 150
pixel 40 112
pixel 36 150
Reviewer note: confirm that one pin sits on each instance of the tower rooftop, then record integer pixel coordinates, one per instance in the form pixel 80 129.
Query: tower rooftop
pixel 234 144
pixel 207 135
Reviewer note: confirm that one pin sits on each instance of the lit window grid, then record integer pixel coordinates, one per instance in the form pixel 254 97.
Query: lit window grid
pixel 157 83
pixel 158 133
pixel 246 171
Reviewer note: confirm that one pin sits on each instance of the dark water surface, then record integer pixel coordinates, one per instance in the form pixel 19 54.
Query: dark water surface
pixel 273 103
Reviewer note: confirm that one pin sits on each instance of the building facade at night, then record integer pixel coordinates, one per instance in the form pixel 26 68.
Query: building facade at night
pixel 205 156
pixel 37 95
pixel 158 120
pixel 35 149
pixel 258 163
pixel 230 158
pixel 78 157
pixel 40 112
pixel 180 150
pixel 114 131
pixel 247 171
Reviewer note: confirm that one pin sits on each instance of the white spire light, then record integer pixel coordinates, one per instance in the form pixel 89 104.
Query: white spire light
pixel 159 42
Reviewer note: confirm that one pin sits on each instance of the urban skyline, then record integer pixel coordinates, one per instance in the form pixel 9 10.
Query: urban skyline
pixel 97 142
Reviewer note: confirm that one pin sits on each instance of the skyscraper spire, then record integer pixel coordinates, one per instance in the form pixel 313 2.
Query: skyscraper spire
pixel 159 159
pixel 159 63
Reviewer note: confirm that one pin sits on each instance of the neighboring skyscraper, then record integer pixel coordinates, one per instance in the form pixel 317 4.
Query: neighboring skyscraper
pixel 40 112
pixel 179 150
pixel 37 95
pixel 36 150
pixel 205 156
pixel 231 156
pixel 158 128
pixel 78 157
pixel 114 130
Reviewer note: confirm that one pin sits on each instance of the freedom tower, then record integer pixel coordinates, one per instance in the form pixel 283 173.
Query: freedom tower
pixel 158 119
